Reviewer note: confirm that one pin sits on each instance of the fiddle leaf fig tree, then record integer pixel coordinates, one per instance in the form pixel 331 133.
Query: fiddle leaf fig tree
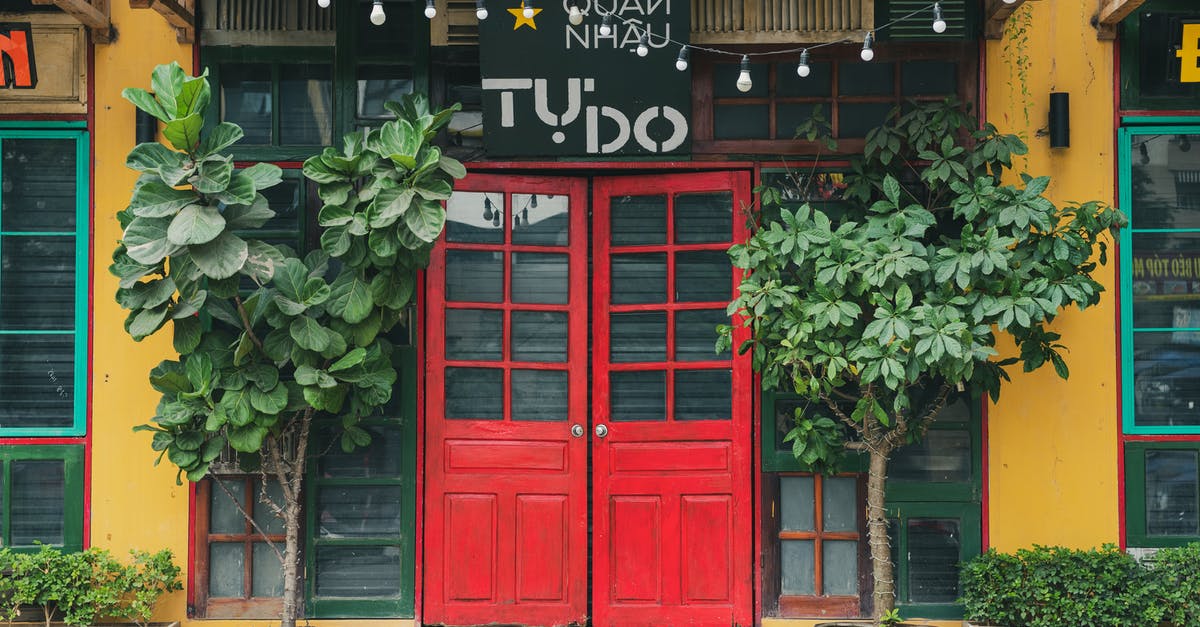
pixel 880 310
pixel 268 341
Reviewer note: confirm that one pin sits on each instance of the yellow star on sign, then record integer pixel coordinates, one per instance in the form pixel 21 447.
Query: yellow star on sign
pixel 519 13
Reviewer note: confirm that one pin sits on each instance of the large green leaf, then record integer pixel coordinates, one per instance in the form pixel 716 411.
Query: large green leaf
pixel 156 200
pixel 316 170
pixel 236 404
pixel 390 204
pixel 309 334
pixel 184 133
pixel 261 261
pixel 336 240
pixel 146 240
pixel 221 258
pixel 351 297
pixel 196 224
pixel 248 439
pixel 167 80
pixel 271 402
pixel 145 101
pixel 214 175
pixel 156 158
pixel 222 136
pixel 240 191
pixel 146 322
pixel 187 335
pixel 433 188
pixel 291 277
pixel 264 175
pixel 425 219
pixel 249 216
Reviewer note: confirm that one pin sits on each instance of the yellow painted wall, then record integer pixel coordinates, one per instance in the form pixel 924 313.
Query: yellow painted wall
pixel 1053 444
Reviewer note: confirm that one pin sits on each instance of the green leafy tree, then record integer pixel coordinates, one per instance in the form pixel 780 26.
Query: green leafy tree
pixel 268 340
pixel 880 312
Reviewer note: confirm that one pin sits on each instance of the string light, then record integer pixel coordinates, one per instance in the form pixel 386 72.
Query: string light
pixel 867 53
pixel 324 4
pixel 744 82
pixel 378 17
pixel 606 25
pixel 643 48
pixel 528 12
pixel 481 12
pixel 681 63
pixel 574 15
pixel 430 10
pixel 939 24
pixel 803 70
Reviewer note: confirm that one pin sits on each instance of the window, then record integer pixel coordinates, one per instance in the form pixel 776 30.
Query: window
pixel 1150 71
pixel 1162 493
pixel 239 572
pixel 41 496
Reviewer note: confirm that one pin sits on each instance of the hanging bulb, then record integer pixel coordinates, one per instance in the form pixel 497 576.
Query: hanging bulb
pixel 867 53
pixel 533 201
pixel 525 216
pixel 643 48
pixel 496 219
pixel 430 10
pixel 803 70
pixel 480 10
pixel 528 12
pixel 606 25
pixel 744 82
pixel 574 15
pixel 681 63
pixel 1010 1
pixel 487 209
pixel 378 17
pixel 939 24
pixel 324 4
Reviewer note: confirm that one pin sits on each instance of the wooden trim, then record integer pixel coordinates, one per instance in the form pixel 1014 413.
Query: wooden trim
pixel 94 14
pixel 797 606
pixel 995 15
pixel 181 14
pixel 1112 12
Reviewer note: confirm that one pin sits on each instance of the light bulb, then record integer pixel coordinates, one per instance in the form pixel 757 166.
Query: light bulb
pixel 606 25
pixel 574 15
pixel 803 70
pixel 643 48
pixel 430 9
pixel 1010 1
pixel 480 10
pixel 867 53
pixel 744 83
pixel 324 4
pixel 378 17
pixel 681 63
pixel 528 12
pixel 939 24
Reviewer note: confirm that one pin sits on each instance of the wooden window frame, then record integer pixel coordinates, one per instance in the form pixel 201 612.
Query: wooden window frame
pixel 72 456
pixel 1135 493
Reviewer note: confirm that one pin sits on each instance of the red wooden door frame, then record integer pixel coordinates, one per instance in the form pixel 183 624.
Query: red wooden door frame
pixel 506 500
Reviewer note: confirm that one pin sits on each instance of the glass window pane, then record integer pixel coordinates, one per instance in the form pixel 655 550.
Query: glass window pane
pixel 284 200
pixel 474 334
pixel 797 565
pixel 226 570
pixel 1171 493
pixel 639 278
pixel 638 395
pixel 856 120
pixel 638 336
pixel 539 336
pixel 246 100
pixel 474 276
pixel 378 84
pixel 266 519
pixel 928 78
pixel 789 84
pixel 223 515
pixel 1165 189
pixel 38 501
pixel 703 395
pixel 476 393
pixel 703 276
pixel 382 458
pixel 539 395
pixel 1166 378
pixel 540 278
pixel 476 217
pixel 943 455
pixel 38 186
pixel 543 219
pixel 704 218
pixel 839 504
pixel 358 572
pixel 638 220
pixel 839 566
pixel 266 578
pixel 788 116
pixel 696 334
pixel 725 77
pixel 37 276
pixel 37 381
pixel 391 40
pixel 358 511
pixel 1166 282
pixel 796 504
pixel 741 121
pixel 957 410
pixel 933 557
pixel 866 79
pixel 306 105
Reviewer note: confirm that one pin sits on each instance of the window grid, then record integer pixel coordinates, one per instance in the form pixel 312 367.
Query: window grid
pixel 791 605
pixel 247 488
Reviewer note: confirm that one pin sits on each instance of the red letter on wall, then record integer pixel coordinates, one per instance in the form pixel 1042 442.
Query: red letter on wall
pixel 17 68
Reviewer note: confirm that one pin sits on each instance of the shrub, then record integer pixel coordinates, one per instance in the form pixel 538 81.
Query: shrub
pixel 1174 576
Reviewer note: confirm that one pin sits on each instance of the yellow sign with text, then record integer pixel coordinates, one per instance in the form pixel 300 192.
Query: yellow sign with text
pixel 1189 54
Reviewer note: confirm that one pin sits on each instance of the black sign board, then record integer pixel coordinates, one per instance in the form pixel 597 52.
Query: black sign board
pixel 551 88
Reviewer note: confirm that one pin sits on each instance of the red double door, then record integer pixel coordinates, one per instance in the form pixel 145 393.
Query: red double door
pixel 519 413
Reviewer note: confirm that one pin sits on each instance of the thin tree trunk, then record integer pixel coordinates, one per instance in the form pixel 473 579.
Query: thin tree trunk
pixel 290 474
pixel 291 552
pixel 877 533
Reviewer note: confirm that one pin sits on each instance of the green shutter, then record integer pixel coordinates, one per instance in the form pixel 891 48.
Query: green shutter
pixel 61 517
pixel 962 20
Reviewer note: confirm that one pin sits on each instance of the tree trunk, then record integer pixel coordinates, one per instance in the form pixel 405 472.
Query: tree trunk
pixel 290 474
pixel 291 565
pixel 882 571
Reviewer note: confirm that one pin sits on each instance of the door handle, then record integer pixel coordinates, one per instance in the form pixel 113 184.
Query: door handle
pixel 577 431
pixel 601 431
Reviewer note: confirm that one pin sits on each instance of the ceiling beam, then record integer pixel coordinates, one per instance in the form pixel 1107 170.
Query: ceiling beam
pixel 995 15
pixel 178 14
pixel 1111 13
pixel 93 14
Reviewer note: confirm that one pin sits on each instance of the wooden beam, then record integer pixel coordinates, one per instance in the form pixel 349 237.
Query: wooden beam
pixel 995 15
pixel 93 15
pixel 178 14
pixel 1111 13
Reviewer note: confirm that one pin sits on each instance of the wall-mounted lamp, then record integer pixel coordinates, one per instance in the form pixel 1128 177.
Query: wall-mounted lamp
pixel 145 127
pixel 1060 120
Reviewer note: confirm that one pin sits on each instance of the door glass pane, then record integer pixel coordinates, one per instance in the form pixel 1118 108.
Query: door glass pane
pixel 358 511
pixel 38 501
pixel 37 275
pixel 306 104
pixel 638 336
pixel 1171 493
pixel 284 200
pixel 540 278
pixel 703 395
pixel 639 278
pixel 378 84
pixel 839 559
pixel 796 557
pixel 476 393
pixel 866 79
pixel 267 574
pixel 358 572
pixel 638 395
pixel 703 276
pixel 475 276
pixel 639 220
pixel 266 519
pixel 933 556
pixel 796 503
pixel 223 515
pixel 701 218
pixel 379 459
pixel 539 336
pixel 476 217
pixel 1166 185
pixel 37 380
pixel 226 569
pixel 928 78
pixel 539 395
pixel 474 334
pixel 1166 378
pixel 839 504
pixel 696 335
pixel 38 186
pixel 943 455
pixel 543 219
pixel 246 100
pixel 742 121
pixel 1166 282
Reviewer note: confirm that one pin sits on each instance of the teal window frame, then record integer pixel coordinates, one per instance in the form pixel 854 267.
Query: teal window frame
pixel 1130 79
pixel 1135 494
pixel 77 132
pixel 72 456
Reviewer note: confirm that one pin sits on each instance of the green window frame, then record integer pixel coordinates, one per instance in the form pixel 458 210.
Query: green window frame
pixel 79 330
pixel 1136 532
pixel 1131 79
pixel 72 457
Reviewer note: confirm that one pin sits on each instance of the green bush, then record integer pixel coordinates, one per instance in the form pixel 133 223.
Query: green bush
pixel 1174 584
pixel 82 586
